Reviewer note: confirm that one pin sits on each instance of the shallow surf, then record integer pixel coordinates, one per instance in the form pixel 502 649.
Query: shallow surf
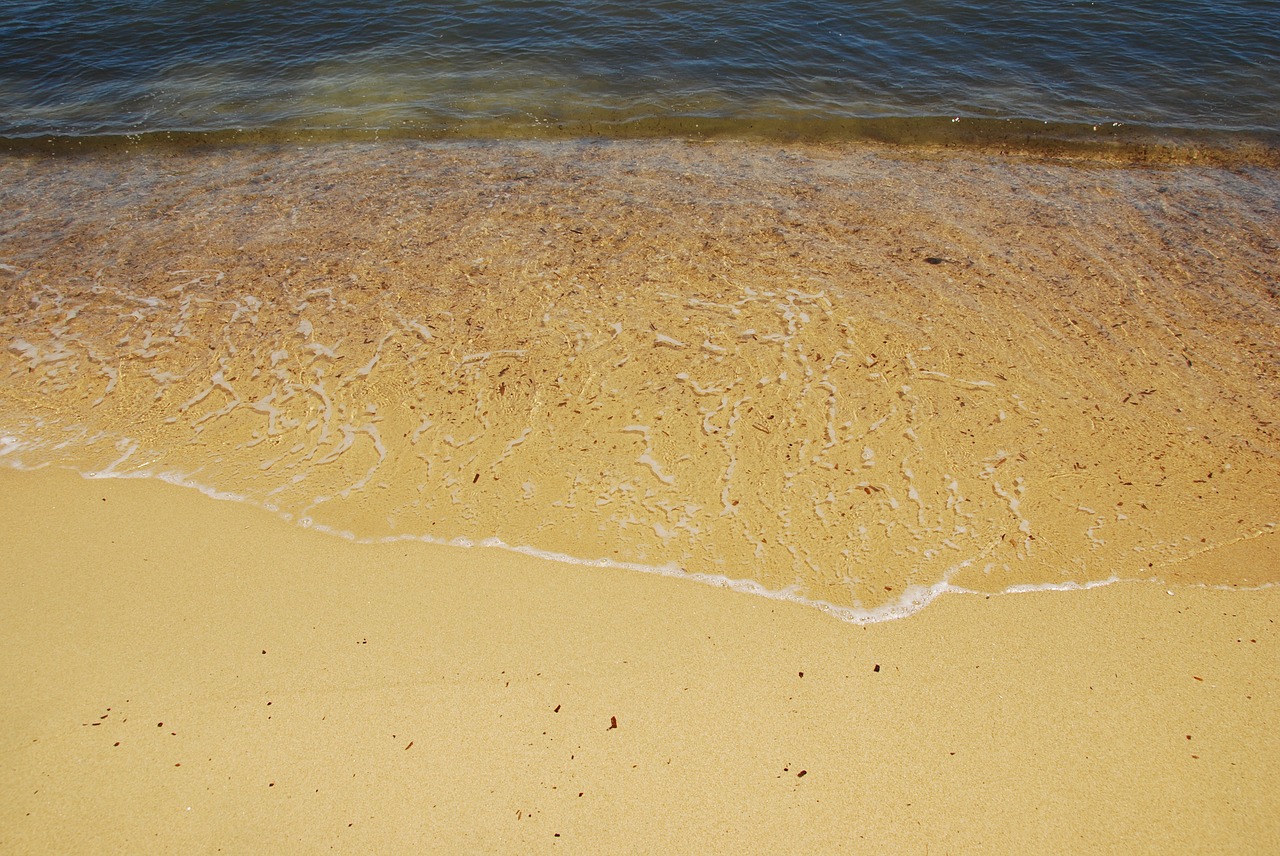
pixel 851 376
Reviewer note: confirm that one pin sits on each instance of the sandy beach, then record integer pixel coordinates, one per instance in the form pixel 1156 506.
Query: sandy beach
pixel 183 675
pixel 1008 423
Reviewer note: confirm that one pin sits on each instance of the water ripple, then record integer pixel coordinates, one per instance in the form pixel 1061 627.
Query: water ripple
pixel 76 68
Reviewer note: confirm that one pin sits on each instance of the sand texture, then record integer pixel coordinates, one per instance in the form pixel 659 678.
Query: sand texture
pixel 319 695
pixel 405 462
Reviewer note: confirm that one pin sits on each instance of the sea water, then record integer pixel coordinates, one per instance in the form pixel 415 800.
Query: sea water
pixel 882 68
pixel 754 348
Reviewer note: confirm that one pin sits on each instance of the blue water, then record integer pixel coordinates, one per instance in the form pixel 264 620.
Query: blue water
pixel 530 67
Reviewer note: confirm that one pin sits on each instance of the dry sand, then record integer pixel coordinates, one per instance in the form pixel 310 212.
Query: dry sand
pixel 182 675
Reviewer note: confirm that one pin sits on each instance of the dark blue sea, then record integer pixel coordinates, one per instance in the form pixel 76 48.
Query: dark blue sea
pixel 535 68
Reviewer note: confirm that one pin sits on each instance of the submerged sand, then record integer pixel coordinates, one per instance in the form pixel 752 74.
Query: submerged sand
pixel 183 675
pixel 858 376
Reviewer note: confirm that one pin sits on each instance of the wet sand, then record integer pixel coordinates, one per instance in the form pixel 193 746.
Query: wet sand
pixel 850 374
pixel 185 675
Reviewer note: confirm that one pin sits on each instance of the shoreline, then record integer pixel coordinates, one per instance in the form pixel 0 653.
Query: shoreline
pixel 851 375
pixel 1238 553
pixel 320 693
pixel 1110 144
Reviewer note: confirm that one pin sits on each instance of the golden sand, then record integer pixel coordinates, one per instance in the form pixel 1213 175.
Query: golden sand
pixel 182 675
pixel 855 376
pixel 882 382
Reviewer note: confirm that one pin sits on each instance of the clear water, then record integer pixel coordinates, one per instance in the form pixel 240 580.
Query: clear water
pixel 833 374
pixel 849 375
pixel 892 68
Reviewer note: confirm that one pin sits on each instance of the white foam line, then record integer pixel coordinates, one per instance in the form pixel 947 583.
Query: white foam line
pixel 173 477
pixel 913 599
pixel 180 479
pixel 1067 586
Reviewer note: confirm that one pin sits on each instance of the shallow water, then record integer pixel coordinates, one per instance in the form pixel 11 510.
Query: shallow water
pixel 855 376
